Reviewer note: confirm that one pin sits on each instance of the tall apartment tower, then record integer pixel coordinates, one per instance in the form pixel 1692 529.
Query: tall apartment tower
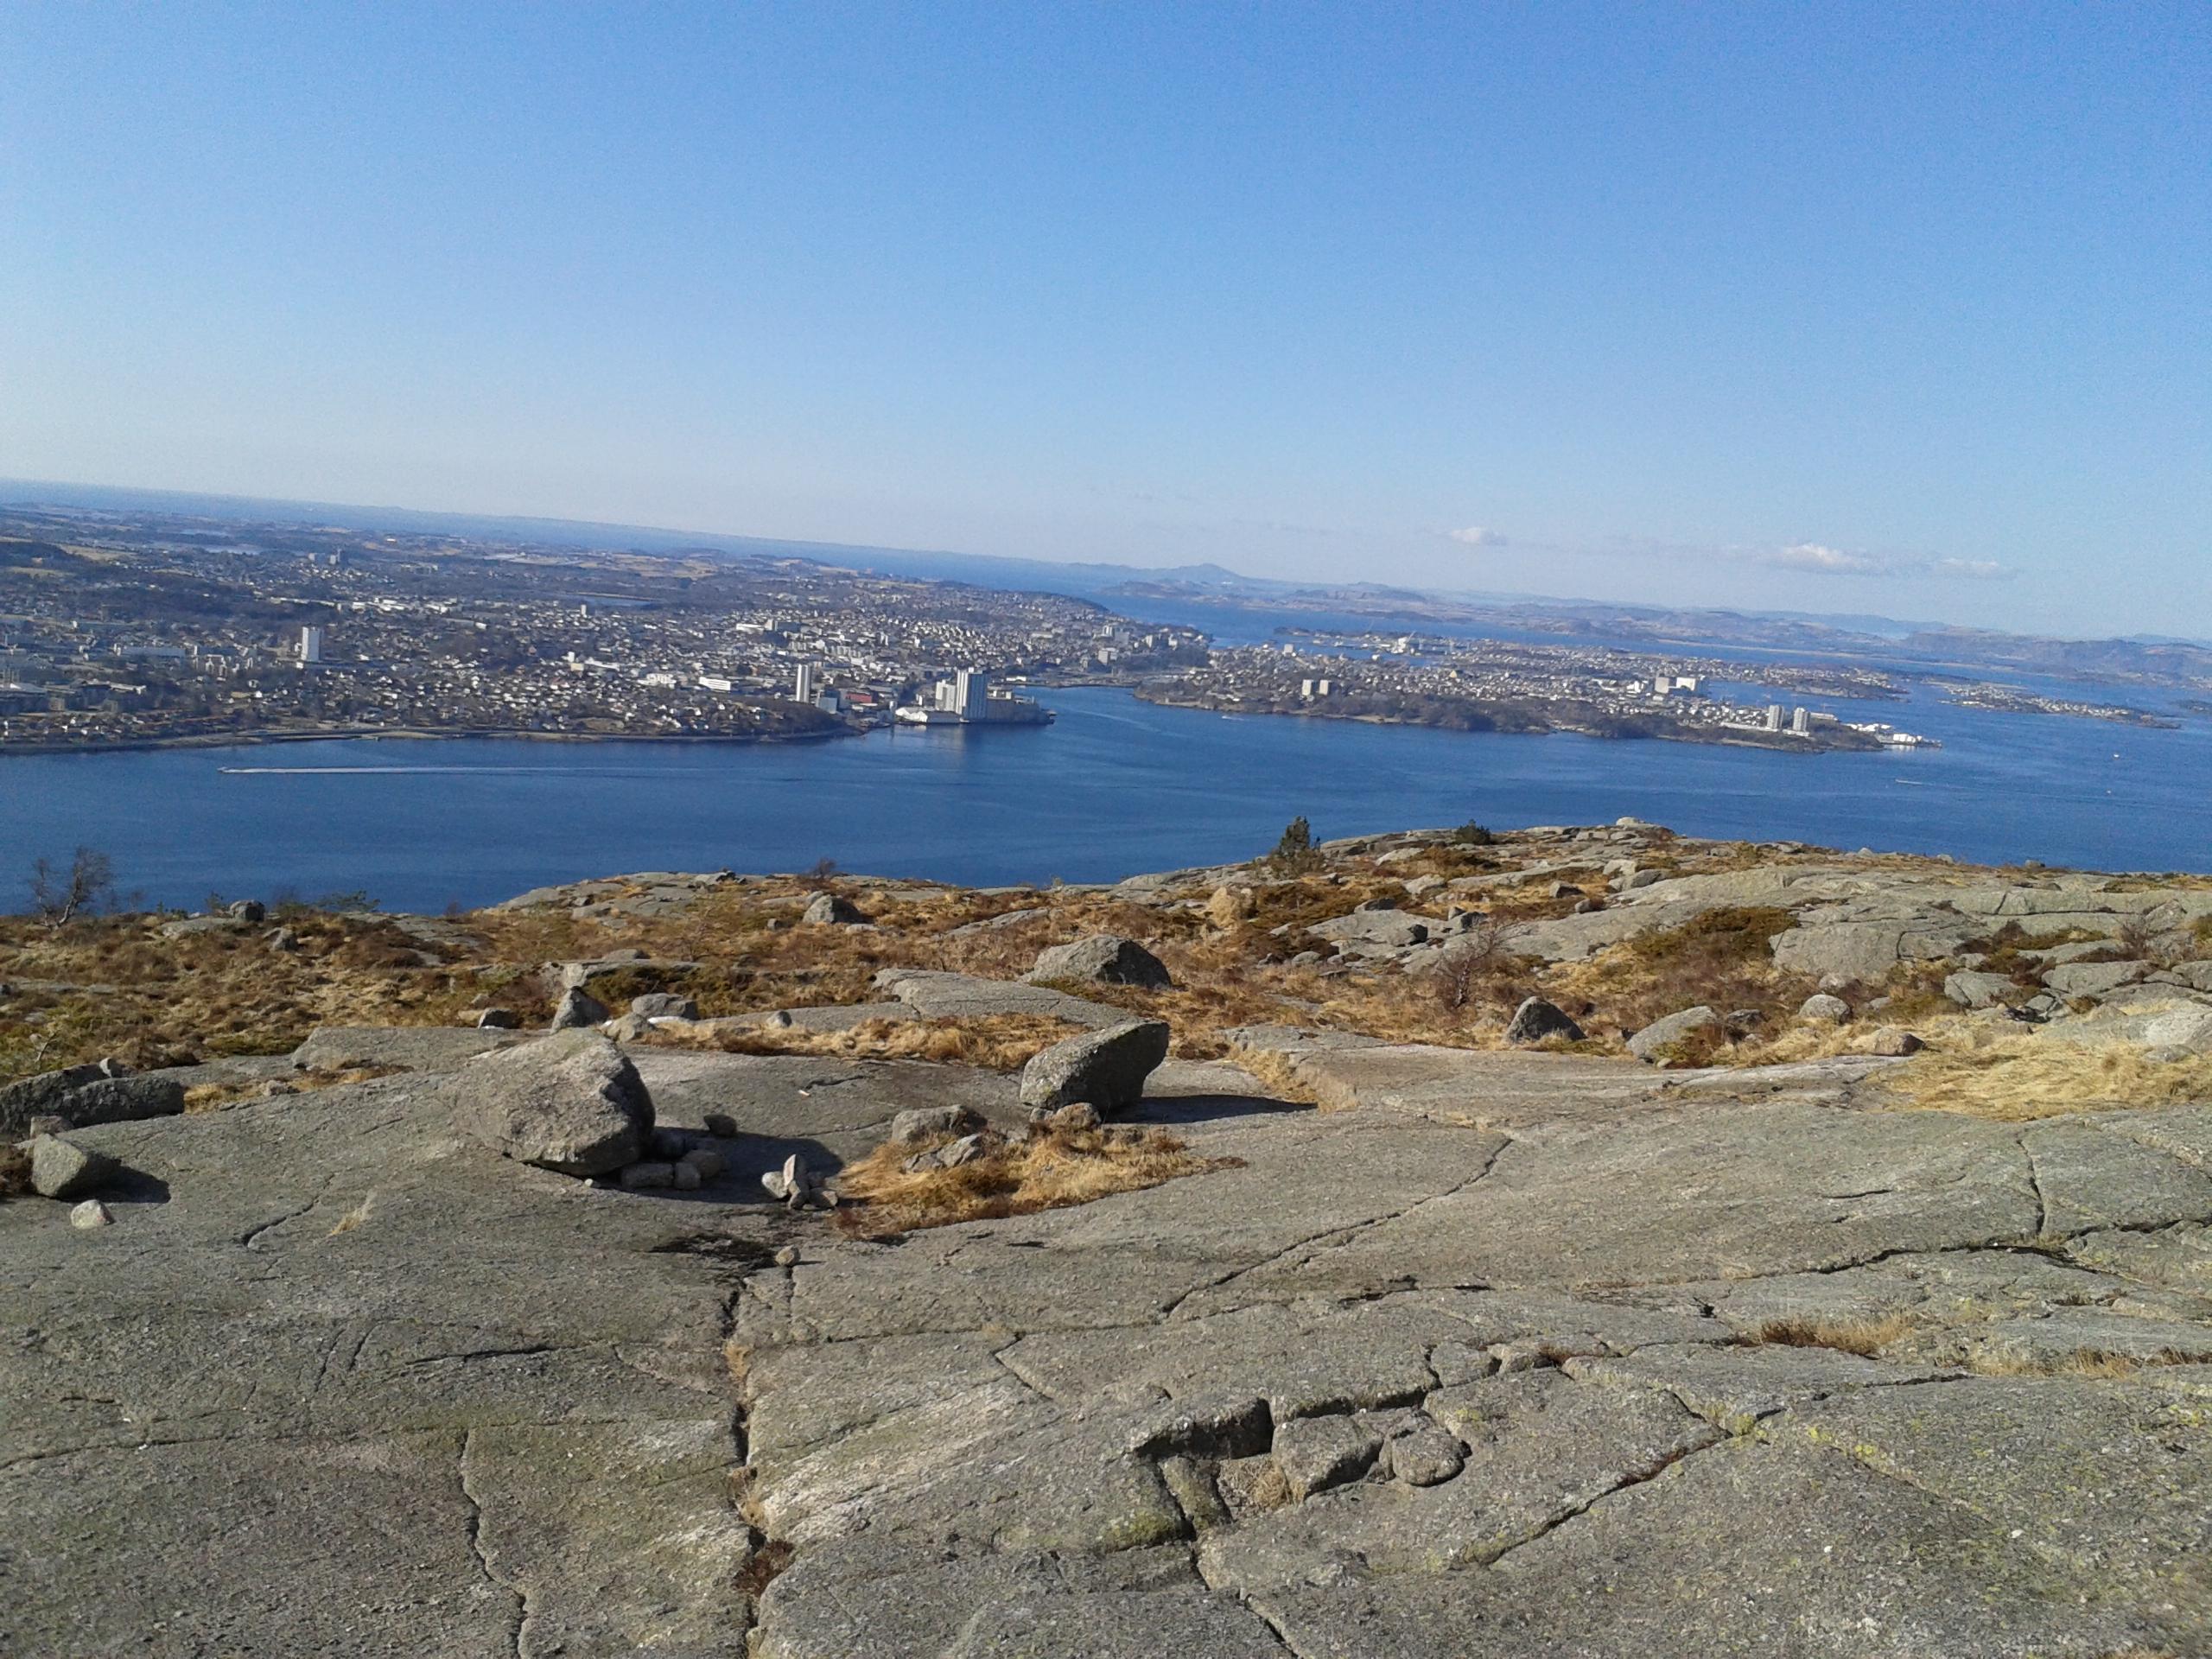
pixel 969 692
pixel 803 689
pixel 310 646
pixel 1801 723
pixel 1773 716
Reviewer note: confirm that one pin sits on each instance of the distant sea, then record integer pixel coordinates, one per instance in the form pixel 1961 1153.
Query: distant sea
pixel 1115 787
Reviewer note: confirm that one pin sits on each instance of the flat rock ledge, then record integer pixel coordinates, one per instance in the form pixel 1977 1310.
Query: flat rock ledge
pixel 1515 1354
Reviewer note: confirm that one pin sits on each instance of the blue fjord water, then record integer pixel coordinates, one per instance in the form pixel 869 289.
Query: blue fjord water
pixel 1115 786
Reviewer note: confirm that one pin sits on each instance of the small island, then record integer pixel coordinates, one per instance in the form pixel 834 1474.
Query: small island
pixel 1995 697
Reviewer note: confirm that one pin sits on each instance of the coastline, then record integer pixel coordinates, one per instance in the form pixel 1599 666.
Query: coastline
pixel 1733 737
pixel 412 735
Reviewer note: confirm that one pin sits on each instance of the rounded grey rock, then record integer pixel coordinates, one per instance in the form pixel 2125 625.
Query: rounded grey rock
pixel 1106 1068
pixel 1103 959
pixel 1537 1018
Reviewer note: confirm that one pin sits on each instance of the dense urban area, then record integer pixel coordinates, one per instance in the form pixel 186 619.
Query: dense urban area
pixel 116 632
pixel 126 630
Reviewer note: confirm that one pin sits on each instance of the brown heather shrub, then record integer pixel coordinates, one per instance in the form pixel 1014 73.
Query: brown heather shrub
pixel 1049 1169
pixel 1722 960
pixel 14 1171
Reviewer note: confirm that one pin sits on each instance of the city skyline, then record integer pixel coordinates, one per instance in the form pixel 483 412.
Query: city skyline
pixel 1838 313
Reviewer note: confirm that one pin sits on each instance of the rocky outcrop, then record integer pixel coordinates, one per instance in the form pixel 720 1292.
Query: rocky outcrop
pixel 570 1102
pixel 85 1094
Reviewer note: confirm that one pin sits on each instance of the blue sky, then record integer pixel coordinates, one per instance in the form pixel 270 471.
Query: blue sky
pixel 1831 308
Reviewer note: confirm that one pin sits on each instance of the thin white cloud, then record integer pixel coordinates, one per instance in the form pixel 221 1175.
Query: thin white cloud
pixel 1825 561
pixel 1811 558
pixel 1475 535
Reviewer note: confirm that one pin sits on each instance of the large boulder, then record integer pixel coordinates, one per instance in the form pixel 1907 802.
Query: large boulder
pixel 829 909
pixel 570 1101
pixel 1652 1042
pixel 1535 1019
pixel 1103 1069
pixel 85 1094
pixel 1822 1009
pixel 1103 959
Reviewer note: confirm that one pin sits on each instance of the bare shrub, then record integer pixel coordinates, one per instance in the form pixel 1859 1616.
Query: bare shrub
pixel 59 896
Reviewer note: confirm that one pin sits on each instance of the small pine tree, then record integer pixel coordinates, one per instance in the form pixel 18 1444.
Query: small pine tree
pixel 1295 853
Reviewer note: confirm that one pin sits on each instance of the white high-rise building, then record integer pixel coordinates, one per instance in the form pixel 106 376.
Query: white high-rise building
pixel 803 689
pixel 1773 716
pixel 1801 723
pixel 310 645
pixel 967 693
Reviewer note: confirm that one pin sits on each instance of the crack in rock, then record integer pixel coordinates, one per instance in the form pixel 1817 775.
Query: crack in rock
pixel 518 1624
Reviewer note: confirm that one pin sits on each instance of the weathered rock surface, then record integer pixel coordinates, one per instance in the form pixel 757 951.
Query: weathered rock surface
pixel 1508 1354
pixel 960 996
pixel 403 1048
pixel 1103 959
pixel 571 1103
pixel 1633 1424
pixel 1106 1069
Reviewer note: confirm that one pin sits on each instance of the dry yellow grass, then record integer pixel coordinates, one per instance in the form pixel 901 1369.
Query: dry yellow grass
pixel 1049 1169
pixel 1996 1360
pixel 995 1042
pixel 1279 1076
pixel 352 1218
pixel 214 1096
pixel 2018 1080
